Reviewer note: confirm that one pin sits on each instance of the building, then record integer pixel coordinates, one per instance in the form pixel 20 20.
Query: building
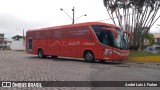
pixel 155 48
pixel 2 41
pixel 157 38
pixel 1 38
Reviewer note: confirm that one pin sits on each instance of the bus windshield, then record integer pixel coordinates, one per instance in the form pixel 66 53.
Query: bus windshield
pixel 107 37
pixel 120 41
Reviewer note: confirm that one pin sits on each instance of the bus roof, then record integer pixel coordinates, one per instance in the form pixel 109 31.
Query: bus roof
pixel 76 25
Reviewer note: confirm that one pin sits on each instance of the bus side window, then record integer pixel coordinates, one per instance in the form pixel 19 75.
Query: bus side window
pixel 30 43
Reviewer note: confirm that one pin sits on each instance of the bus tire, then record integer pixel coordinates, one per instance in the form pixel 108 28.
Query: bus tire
pixel 54 57
pixel 40 53
pixel 101 61
pixel 89 56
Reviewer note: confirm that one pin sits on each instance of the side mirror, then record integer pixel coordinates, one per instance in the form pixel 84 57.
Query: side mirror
pixel 112 30
pixel 130 35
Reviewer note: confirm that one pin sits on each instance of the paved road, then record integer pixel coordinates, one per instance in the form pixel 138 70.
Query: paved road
pixel 19 66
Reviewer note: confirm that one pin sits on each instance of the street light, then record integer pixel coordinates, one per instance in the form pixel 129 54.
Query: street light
pixel 66 13
pixel 73 17
pixel 81 16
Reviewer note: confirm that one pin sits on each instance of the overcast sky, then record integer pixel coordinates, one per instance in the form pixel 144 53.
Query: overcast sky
pixel 16 15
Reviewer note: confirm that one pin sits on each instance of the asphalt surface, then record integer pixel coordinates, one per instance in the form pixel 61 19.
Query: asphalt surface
pixel 19 66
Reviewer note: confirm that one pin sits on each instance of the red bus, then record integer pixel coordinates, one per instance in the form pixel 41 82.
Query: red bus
pixel 91 41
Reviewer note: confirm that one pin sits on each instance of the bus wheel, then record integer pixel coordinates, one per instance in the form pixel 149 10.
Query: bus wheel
pixel 54 57
pixel 89 56
pixel 101 61
pixel 40 53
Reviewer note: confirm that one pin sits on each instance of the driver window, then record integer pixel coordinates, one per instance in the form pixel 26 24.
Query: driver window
pixel 106 39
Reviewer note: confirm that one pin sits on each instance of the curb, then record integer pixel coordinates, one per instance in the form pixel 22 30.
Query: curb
pixel 145 59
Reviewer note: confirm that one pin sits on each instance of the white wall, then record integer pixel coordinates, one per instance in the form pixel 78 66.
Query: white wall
pixel 17 45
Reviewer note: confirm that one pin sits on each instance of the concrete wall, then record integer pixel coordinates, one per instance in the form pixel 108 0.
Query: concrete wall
pixel 17 45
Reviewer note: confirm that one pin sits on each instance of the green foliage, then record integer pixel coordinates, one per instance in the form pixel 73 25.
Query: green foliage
pixel 150 38
pixel 133 53
pixel 17 37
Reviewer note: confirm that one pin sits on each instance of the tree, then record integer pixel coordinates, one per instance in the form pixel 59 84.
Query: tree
pixel 17 37
pixel 135 16
pixel 150 38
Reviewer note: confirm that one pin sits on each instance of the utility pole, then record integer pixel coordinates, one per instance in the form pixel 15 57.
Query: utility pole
pixel 73 16
pixel 23 37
